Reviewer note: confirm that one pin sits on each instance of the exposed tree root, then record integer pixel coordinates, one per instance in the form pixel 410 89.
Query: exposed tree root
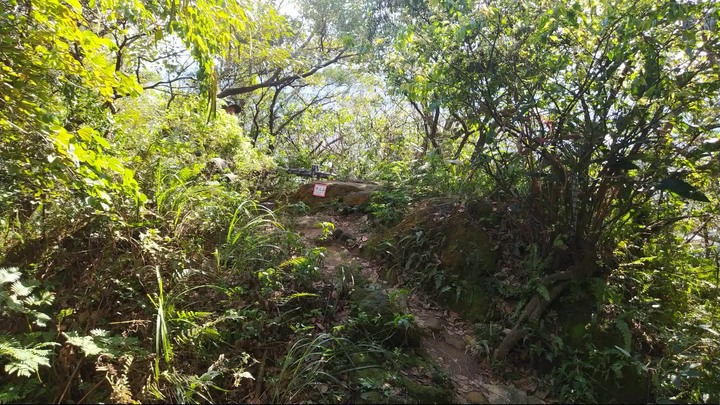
pixel 533 310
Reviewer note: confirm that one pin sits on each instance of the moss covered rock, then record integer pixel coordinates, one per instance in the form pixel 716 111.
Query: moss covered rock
pixel 399 381
pixel 380 318
pixel 448 236
pixel 426 393
pixel 467 250
pixel 476 301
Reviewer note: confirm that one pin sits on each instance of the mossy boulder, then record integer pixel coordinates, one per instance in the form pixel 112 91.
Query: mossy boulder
pixel 476 301
pixel 505 394
pixel 427 393
pixel 376 316
pixel 468 250
pixel 348 275
pixel 450 236
pixel 402 380
pixel 353 194
pixel 420 214
pixel 358 198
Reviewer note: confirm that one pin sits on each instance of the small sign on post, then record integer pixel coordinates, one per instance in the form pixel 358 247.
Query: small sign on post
pixel 319 189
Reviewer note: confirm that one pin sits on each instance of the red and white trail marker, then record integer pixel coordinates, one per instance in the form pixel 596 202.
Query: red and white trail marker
pixel 320 189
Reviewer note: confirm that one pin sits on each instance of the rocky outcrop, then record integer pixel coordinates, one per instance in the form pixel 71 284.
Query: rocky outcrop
pixel 450 237
pixel 347 193
pixel 411 379
pixel 378 315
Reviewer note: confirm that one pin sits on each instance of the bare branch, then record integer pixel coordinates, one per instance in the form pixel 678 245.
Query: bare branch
pixel 167 82
pixel 275 82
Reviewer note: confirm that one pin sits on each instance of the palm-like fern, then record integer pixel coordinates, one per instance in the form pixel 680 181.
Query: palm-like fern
pixel 17 299
pixel 25 360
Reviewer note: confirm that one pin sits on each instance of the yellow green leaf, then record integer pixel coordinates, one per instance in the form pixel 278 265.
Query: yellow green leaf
pixel 86 133
pixel 75 4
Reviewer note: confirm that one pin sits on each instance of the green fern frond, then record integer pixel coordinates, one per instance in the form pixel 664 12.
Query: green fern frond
pixel 99 333
pixel 191 316
pixel 293 262
pixel 45 298
pixel 100 341
pixel 39 318
pixel 197 334
pixel 188 336
pixel 624 329
pixel 85 343
pixel 184 274
pixel 284 300
pixel 18 297
pixel 25 361
pixel 20 289
pixel 19 390
pixel 543 292
pixel 9 275
pixel 185 387
pixel 439 278
pixel 231 314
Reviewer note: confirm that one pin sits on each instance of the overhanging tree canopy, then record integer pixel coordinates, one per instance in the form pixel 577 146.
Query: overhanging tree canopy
pixel 602 104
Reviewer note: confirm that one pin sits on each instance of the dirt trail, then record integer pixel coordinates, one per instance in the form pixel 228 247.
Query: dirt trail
pixel 446 338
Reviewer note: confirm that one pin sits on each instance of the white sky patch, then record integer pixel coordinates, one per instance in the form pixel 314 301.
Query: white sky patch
pixel 288 8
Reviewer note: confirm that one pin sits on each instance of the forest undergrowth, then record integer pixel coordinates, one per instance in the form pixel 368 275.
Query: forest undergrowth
pixel 565 153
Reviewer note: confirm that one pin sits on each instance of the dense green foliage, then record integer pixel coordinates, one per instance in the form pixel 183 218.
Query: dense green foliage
pixel 140 260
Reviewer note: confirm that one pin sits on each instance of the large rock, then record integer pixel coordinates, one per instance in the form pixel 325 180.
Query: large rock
pixel 343 192
pixel 476 302
pixel 452 235
pixel 475 397
pixel 505 394
pixel 401 381
pixel 467 249
pixel 377 313
pixel 427 393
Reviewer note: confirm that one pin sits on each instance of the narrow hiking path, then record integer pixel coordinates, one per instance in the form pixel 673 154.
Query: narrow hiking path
pixel 446 339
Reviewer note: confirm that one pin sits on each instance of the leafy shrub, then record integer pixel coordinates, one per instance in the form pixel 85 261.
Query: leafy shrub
pixel 389 204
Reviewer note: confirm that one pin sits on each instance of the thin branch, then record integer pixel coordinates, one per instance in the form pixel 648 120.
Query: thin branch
pixel 167 82
pixel 283 81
